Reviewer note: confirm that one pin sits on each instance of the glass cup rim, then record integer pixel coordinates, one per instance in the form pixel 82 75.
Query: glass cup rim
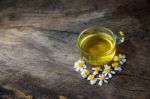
pixel 82 32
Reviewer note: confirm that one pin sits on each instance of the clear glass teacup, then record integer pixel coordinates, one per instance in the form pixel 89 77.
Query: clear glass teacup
pixel 97 45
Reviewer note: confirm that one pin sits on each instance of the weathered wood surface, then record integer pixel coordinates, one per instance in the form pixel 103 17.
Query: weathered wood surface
pixel 38 47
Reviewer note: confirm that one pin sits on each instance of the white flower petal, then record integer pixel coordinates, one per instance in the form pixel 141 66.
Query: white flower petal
pixel 80 61
pixel 77 69
pixel 123 56
pixel 110 75
pixel 100 83
pixel 112 72
pixel 88 78
pixel 84 66
pixel 83 76
pixel 119 68
pixel 94 73
pixel 93 68
pixel 105 66
pixel 81 69
pixel 124 60
pixel 116 68
pixel 119 55
pixel 105 81
pixel 121 62
pixel 82 73
pixel 105 74
pixel 92 82
pixel 107 78
pixel 75 64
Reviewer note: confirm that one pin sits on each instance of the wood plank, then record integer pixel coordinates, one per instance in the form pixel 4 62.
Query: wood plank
pixel 38 47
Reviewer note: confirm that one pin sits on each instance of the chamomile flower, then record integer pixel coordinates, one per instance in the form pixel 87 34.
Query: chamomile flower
pixel 116 66
pixel 96 70
pixel 121 59
pixel 92 79
pixel 85 73
pixel 108 71
pixel 79 65
pixel 102 78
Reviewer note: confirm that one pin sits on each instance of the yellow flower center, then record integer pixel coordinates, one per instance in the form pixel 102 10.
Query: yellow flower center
pixel 97 69
pixel 86 73
pixel 115 64
pixel 92 77
pixel 107 70
pixel 80 65
pixel 102 78
pixel 116 58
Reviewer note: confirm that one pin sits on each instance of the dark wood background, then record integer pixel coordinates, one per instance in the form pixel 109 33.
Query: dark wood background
pixel 38 48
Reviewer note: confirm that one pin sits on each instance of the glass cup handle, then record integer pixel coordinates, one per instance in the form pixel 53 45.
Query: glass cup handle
pixel 120 37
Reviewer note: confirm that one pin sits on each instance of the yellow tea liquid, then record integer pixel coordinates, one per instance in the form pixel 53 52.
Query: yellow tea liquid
pixel 97 48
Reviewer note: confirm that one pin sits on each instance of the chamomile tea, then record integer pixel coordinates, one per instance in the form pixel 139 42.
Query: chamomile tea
pixel 97 48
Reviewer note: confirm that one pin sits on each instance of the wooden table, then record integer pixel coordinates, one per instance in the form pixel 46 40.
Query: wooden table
pixel 38 48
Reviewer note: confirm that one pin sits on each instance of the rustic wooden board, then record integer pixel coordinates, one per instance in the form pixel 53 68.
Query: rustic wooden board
pixel 38 48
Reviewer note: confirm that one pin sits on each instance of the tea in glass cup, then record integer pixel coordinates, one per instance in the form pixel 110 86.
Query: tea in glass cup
pixel 97 45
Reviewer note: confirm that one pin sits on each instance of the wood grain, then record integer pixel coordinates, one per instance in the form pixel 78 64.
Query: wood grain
pixel 38 47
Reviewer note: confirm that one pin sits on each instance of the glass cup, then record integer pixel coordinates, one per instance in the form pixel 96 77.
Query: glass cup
pixel 97 45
